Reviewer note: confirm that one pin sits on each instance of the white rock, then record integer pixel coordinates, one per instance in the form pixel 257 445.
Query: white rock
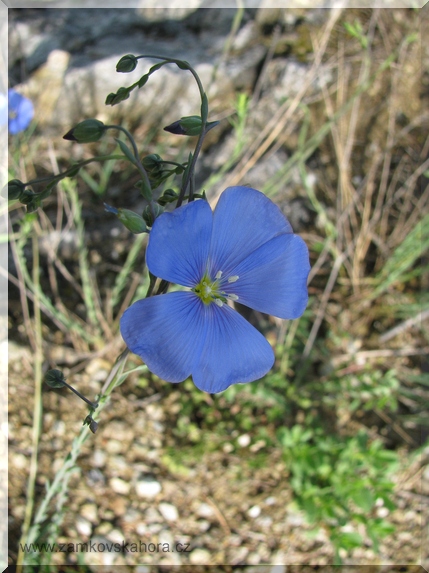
pixel 200 557
pixel 243 440
pixel 205 510
pixel 83 526
pixel 118 485
pixel 148 488
pixel 254 511
pixel 98 458
pixel 168 511
pixel 115 536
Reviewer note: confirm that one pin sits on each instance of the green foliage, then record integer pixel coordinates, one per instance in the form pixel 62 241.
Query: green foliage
pixel 368 389
pixel 338 481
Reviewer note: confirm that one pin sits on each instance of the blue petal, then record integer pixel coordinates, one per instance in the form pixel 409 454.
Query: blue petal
pixel 244 219
pixel 179 244
pixel 273 279
pixel 233 352
pixel 167 332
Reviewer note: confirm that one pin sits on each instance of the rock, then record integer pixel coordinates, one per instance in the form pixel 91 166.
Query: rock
pixel 118 485
pixel 205 510
pixel 238 556
pixel 77 57
pixel 200 557
pixel 243 440
pixel 98 458
pixel 89 511
pixel 168 511
pixel 254 512
pixel 148 488
pixel 83 526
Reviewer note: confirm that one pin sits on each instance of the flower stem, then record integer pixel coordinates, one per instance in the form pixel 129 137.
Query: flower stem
pixel 37 409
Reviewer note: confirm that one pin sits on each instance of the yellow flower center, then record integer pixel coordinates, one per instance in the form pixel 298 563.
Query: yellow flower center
pixel 208 289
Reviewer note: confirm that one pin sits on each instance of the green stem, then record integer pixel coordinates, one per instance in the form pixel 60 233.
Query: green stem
pixel 64 174
pixel 37 409
pixel 60 484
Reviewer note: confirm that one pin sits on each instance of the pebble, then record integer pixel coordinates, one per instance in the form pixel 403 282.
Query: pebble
pixel 165 536
pixel 205 510
pixel 382 512
pixel 152 516
pixel 98 458
pixel 141 528
pixel 254 511
pixel 19 461
pixel 168 511
pixel 118 485
pixel 104 528
pixel 243 440
pixel 89 512
pixel 83 526
pixel 148 488
pixel 200 557
pixel 239 555
pixel 114 447
pixel 115 536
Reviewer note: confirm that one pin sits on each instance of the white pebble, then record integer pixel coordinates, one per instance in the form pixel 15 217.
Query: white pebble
pixel 148 488
pixel 254 511
pixel 200 557
pixel 168 511
pixel 119 486
pixel 243 440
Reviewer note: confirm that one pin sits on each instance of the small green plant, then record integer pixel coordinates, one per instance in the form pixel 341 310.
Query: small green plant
pixel 337 483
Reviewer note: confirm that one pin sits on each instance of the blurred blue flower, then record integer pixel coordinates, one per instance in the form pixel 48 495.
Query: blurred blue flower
pixel 21 112
pixel 3 109
pixel 244 251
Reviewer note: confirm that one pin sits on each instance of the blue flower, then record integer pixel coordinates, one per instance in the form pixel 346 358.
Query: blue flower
pixel 244 251
pixel 21 112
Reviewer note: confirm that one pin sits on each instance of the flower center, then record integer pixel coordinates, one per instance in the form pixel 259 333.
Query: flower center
pixel 209 290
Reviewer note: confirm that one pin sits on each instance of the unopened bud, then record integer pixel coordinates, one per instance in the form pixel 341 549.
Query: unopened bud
pixel 190 125
pixel 132 221
pixel 168 196
pixel 121 95
pixel 55 378
pixel 86 131
pixel 150 214
pixel 127 64
pixel 13 190
pixel 152 162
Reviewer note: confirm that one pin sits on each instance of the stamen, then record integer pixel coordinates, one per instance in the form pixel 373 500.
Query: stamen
pixel 218 275
pixel 233 279
pixel 232 297
pixel 218 302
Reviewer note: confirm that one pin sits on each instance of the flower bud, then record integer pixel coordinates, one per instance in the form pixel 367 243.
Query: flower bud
pixel 132 221
pixel 168 196
pixel 190 125
pixel 127 64
pixel 55 378
pixel 152 162
pixel 121 95
pixel 27 196
pixel 148 216
pixel 13 190
pixel 86 131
